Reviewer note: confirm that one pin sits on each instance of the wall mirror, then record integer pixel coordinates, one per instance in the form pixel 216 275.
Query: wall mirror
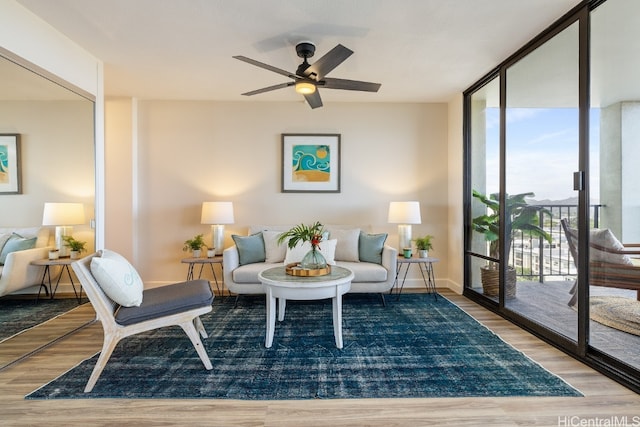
pixel 56 125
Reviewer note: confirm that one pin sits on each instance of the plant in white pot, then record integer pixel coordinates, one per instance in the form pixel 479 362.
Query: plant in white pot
pixel 424 245
pixel 194 245
pixel 520 216
pixel 76 247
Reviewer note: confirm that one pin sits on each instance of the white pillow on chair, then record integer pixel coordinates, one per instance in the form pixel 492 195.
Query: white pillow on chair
pixel 117 278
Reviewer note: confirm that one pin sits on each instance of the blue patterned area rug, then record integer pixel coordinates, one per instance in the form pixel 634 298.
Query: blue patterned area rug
pixel 414 347
pixel 17 315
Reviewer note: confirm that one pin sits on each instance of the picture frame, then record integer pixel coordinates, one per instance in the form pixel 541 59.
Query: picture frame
pixel 311 163
pixel 10 168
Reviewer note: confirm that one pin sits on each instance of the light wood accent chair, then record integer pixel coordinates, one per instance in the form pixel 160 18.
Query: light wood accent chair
pixel 179 304
pixel 606 273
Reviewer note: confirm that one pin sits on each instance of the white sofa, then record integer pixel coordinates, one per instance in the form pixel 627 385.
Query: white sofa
pixel 17 272
pixel 370 277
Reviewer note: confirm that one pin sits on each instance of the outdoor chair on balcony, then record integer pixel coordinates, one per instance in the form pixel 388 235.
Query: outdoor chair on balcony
pixel 610 262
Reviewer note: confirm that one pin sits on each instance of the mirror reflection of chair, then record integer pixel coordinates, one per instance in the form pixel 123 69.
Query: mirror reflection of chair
pixel 610 262
pixel 179 304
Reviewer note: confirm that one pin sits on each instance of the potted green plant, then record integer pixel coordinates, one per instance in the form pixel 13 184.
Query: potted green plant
pixel 194 245
pixel 76 247
pixel 520 216
pixel 424 245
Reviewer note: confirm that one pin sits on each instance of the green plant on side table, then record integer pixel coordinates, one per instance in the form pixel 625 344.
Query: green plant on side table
pixel 76 247
pixel 520 216
pixel 194 245
pixel 424 245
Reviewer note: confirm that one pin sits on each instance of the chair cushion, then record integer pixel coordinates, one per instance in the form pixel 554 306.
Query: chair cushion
pixel 605 238
pixel 117 278
pixel 250 248
pixel 167 300
pixel 370 247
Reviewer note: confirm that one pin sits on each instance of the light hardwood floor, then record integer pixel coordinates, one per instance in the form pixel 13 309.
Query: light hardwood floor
pixel 605 401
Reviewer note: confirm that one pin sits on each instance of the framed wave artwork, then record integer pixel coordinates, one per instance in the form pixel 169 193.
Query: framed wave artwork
pixel 310 163
pixel 10 164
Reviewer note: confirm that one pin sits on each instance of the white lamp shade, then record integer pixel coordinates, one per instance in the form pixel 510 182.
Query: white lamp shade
pixel 217 213
pixel 404 213
pixel 63 214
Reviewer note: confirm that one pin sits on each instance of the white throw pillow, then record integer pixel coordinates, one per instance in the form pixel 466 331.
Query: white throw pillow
pixel 117 278
pixel 327 249
pixel 347 247
pixel 605 238
pixel 273 251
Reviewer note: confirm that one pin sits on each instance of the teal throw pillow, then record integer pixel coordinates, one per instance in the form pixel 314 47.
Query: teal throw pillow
pixel 16 243
pixel 250 248
pixel 370 247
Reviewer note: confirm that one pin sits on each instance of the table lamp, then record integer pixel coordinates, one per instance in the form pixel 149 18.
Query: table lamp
pixel 404 214
pixel 64 216
pixel 217 214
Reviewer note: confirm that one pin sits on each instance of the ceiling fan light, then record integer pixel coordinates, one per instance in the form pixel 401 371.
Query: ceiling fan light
pixel 305 88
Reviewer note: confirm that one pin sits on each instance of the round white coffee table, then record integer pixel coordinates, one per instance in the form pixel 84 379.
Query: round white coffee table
pixel 283 286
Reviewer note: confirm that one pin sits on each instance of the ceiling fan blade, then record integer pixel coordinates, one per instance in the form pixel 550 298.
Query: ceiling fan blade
pixel 268 89
pixel 328 62
pixel 313 99
pixel 345 84
pixel 266 66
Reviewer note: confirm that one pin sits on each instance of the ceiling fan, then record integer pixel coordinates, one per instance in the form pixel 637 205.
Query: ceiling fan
pixel 309 77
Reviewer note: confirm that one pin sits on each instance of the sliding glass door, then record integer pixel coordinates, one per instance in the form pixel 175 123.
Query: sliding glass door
pixel 552 187
pixel 541 155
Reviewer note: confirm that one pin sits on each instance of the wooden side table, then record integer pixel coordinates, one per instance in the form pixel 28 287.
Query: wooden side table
pixel 62 262
pixel 426 269
pixel 192 262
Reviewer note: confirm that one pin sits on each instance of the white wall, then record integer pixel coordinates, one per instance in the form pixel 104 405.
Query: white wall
pixel 455 236
pixel 189 152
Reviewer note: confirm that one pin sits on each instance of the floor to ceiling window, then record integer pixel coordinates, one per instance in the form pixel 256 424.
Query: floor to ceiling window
pixel 615 180
pixel 552 187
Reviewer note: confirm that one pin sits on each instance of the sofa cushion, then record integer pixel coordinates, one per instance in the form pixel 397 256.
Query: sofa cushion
pixel 273 251
pixel 347 246
pixel 117 278
pixel 370 247
pixel 248 273
pixel 250 248
pixel 16 243
pixel 4 238
pixel 365 271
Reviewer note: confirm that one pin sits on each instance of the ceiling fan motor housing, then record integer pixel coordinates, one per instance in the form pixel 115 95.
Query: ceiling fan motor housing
pixel 305 49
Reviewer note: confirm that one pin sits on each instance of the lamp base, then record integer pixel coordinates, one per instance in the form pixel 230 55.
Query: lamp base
pixel 404 236
pixel 61 232
pixel 217 238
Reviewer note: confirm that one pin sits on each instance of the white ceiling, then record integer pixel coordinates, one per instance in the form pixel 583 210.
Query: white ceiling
pixel 420 50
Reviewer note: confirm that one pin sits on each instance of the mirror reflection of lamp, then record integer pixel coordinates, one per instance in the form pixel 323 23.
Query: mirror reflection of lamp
pixel 64 216
pixel 404 214
pixel 217 214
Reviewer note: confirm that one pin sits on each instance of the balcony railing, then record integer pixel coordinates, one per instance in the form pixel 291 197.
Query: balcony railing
pixel 536 259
